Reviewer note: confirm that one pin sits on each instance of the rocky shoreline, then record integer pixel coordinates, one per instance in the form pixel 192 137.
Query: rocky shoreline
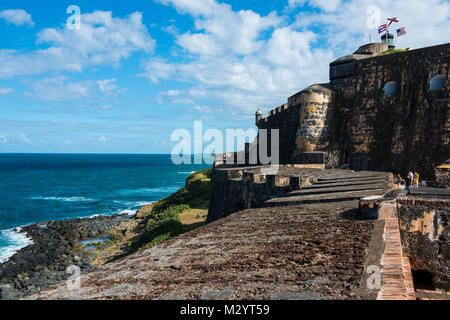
pixel 90 242
pixel 85 243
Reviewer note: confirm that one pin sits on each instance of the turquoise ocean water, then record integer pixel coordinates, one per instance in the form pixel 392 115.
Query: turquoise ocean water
pixel 44 187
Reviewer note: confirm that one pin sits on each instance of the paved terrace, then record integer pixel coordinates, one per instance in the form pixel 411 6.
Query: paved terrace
pixel 308 244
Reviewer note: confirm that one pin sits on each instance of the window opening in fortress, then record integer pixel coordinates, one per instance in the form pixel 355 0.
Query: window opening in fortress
pixel 390 88
pixel 437 82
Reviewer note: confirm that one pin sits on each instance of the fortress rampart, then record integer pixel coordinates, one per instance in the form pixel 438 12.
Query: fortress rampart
pixel 379 112
pixel 388 113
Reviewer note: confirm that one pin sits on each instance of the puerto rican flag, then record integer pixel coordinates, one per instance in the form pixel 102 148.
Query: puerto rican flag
pixel 401 32
pixel 382 28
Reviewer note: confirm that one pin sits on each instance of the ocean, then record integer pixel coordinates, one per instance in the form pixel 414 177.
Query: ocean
pixel 44 187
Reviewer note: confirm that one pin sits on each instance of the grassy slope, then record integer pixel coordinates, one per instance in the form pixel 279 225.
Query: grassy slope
pixel 163 221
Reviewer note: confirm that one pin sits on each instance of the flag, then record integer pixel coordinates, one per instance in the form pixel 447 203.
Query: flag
pixel 382 28
pixel 392 20
pixel 401 32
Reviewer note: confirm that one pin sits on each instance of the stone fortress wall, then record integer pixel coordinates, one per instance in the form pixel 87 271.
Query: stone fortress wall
pixel 379 112
pixel 378 115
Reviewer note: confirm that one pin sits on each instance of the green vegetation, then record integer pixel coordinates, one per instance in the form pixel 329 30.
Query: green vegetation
pixel 391 51
pixel 163 221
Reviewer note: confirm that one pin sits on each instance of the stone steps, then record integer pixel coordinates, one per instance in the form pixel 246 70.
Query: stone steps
pixel 327 190
pixel 354 178
pixel 319 198
pixel 350 181
pixel 346 183
pixel 344 187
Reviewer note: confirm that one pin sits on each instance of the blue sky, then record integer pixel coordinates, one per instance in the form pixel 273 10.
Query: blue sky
pixel 137 70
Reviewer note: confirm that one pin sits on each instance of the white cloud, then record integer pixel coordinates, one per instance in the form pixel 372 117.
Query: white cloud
pixel 24 138
pixel 60 89
pixel 4 91
pixel 245 60
pixel 107 85
pixel 102 139
pixel 327 5
pixel 17 17
pixel 241 58
pixel 101 40
pixel 3 139
pixel 156 69
pixel 204 109
pixel 346 28
pixel 236 31
pixel 197 7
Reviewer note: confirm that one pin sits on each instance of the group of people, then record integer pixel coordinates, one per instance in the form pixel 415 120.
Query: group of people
pixel 411 181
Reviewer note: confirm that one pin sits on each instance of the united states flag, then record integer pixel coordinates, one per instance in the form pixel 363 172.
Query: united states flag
pixel 401 32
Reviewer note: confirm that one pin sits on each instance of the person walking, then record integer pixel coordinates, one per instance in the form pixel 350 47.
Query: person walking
pixel 409 181
pixel 399 181
pixel 416 180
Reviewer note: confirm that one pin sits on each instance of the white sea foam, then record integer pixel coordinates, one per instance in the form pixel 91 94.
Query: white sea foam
pixel 148 191
pixel 65 199
pixel 187 173
pixel 98 215
pixel 15 241
pixel 141 204
pixel 128 212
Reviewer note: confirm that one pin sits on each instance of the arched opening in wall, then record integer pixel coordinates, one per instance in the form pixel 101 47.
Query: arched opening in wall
pixel 437 82
pixel 423 280
pixel 390 88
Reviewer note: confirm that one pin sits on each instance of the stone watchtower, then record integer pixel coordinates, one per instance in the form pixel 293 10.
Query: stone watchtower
pixel 314 105
pixel 258 116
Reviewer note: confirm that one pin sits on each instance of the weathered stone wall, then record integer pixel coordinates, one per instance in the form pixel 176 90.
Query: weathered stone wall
pixel 303 122
pixel 287 120
pixel 312 134
pixel 425 233
pixel 236 189
pixel 443 175
pixel 406 131
pixel 359 125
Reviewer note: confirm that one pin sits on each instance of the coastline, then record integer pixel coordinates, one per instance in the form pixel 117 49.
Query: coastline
pixel 56 245
pixel 90 242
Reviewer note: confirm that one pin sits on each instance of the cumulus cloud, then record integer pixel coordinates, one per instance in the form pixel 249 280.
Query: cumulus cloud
pixel 240 57
pixel 157 69
pixel 4 91
pixel 247 60
pixel 107 85
pixel 101 40
pixel 60 89
pixel 102 139
pixel 346 28
pixel 327 5
pixel 17 17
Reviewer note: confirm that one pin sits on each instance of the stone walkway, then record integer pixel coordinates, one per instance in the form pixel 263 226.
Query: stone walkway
pixel 315 248
pixel 397 282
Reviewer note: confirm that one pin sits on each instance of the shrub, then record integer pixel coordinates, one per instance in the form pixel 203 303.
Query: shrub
pixel 163 222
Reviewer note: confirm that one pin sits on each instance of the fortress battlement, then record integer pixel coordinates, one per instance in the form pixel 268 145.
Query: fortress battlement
pixel 382 110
